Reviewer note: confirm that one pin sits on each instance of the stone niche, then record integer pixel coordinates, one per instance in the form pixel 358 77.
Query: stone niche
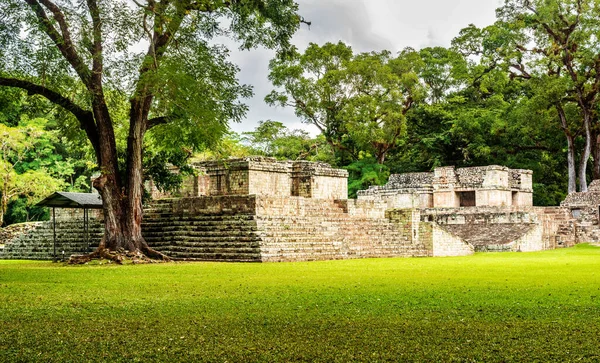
pixel 448 187
pixel 268 176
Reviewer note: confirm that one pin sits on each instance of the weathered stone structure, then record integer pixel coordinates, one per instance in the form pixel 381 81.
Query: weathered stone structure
pixel 35 241
pixel 448 187
pixel 584 209
pixel 263 210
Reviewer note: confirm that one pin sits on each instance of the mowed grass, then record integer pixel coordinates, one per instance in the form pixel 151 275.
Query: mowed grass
pixel 488 307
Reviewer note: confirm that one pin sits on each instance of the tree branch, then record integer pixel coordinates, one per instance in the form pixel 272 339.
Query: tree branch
pixel 62 40
pixel 85 117
pixel 97 66
pixel 159 121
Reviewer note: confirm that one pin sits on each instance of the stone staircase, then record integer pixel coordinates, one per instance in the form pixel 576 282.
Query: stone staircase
pixel 324 230
pixel 224 237
pixel 245 229
pixel 37 242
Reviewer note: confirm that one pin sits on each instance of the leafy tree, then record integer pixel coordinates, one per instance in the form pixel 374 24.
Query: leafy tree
pixel 358 102
pixel 555 43
pixel 230 146
pixel 364 173
pixel 265 135
pixel 313 83
pixel 383 89
pixel 274 139
pixel 442 71
pixel 182 90
pixel 17 176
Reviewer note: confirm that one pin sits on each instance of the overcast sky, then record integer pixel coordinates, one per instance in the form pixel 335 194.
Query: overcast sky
pixel 366 25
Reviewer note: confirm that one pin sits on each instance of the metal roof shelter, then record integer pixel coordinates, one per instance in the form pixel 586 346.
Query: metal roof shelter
pixel 83 201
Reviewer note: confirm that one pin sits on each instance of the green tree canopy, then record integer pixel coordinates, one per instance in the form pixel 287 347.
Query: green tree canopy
pixel 181 89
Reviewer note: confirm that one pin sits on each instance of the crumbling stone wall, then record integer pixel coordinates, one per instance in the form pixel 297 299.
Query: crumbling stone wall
pixel 430 234
pixel 273 229
pixel 300 229
pixel 253 228
pixel 505 228
pixel 262 210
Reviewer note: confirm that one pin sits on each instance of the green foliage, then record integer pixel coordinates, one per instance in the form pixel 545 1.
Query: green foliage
pixel 20 210
pixel 312 83
pixel 272 138
pixel 231 146
pixel 29 169
pixel 169 102
pixel 505 307
pixel 167 169
pixel 364 173
pixel 358 102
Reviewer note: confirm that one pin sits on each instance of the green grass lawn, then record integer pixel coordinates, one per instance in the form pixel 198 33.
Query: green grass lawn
pixel 488 307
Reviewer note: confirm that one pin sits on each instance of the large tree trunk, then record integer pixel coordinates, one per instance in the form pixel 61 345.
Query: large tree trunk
pixel 596 154
pixel 122 202
pixel 135 178
pixel 585 156
pixel 570 148
pixel 571 164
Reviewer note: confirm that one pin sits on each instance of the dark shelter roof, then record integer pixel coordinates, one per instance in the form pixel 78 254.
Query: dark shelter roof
pixel 72 200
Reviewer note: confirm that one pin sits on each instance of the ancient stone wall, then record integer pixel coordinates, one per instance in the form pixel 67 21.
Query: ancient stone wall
pixel 446 244
pixel 270 229
pixel 501 228
pixel 584 209
pixel 439 242
pixel 253 228
pixel 308 229
pixel 37 240
pixel 448 187
pixel 267 176
pixel 204 228
pixel 262 210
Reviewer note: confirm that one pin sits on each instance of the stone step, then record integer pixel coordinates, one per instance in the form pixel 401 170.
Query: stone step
pixel 207 240
pixel 200 231
pixel 201 256
pixel 214 250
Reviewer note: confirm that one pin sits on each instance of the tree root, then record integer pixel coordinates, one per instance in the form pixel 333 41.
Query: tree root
pixel 154 254
pixel 121 256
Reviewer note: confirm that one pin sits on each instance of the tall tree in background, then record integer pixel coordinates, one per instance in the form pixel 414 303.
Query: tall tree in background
pixel 182 88
pixel 556 42
pixel 358 102
pixel 382 89
pixel 314 84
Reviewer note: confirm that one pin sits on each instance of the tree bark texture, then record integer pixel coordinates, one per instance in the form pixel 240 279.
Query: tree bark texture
pixel 570 148
pixel 585 156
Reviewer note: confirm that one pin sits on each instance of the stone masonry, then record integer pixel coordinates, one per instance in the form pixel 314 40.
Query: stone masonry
pixel 584 209
pixel 263 210
pixel 447 187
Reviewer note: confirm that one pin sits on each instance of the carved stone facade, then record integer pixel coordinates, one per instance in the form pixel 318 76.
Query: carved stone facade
pixel 447 187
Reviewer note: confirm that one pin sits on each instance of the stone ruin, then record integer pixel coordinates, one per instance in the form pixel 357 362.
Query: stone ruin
pixel 584 209
pixel 447 187
pixel 264 210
